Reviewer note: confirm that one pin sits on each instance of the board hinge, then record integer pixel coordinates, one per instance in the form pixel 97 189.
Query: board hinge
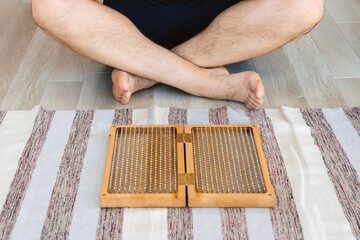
pixel 186 179
pixel 184 137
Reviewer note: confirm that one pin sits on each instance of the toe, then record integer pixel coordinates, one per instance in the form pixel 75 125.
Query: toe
pixel 253 97
pixel 253 100
pixel 252 106
pixel 249 106
pixel 121 88
pixel 260 90
pixel 253 103
pixel 258 86
pixel 125 98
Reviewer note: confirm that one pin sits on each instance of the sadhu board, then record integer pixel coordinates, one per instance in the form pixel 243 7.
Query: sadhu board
pixel 194 165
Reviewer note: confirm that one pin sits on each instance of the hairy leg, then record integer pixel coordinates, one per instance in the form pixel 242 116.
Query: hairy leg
pixel 102 34
pixel 245 87
pixel 125 84
pixel 107 36
pixel 251 28
pixel 245 30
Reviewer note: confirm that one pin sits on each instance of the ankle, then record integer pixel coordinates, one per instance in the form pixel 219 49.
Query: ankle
pixel 211 83
pixel 115 75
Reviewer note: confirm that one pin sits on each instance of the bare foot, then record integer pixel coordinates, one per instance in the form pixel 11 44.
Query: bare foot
pixel 125 84
pixel 246 87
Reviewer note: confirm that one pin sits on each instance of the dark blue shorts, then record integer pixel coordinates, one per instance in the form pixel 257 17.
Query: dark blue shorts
pixel 170 22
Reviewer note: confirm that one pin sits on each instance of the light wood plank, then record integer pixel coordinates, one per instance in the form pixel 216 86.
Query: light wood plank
pixel 66 66
pixel 96 93
pixel 29 82
pixel 350 90
pixel 266 103
pixel 351 32
pixel 41 64
pixel 280 81
pixel 13 45
pixel 93 66
pixel 168 96
pixel 63 65
pixel 200 102
pixel 336 51
pixel 344 11
pixel 61 95
pixel 7 12
pixel 312 73
pixel 248 65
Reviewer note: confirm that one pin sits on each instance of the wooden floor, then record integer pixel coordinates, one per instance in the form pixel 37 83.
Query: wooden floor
pixel 321 69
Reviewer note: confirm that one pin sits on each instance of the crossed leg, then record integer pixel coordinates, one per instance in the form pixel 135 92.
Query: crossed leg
pixel 247 29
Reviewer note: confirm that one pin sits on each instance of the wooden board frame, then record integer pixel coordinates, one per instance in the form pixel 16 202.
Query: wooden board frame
pixel 108 200
pixel 186 191
pixel 196 199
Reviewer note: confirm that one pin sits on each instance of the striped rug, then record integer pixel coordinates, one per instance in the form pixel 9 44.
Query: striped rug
pixel 51 166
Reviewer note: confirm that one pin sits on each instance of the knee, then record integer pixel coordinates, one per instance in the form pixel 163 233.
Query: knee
pixel 310 13
pixel 45 11
pixel 313 11
pixel 303 15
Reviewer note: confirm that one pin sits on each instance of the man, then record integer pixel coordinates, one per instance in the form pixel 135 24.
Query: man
pixel 181 43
